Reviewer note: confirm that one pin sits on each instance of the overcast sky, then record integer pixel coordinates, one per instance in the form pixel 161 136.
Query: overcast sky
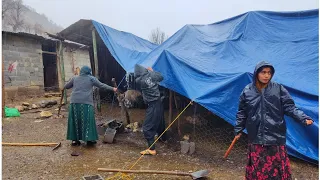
pixel 141 16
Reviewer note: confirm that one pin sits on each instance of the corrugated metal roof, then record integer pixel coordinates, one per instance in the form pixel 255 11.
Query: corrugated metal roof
pixel 42 38
pixel 34 36
pixel 80 32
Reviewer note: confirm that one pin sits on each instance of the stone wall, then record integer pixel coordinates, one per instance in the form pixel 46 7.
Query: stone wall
pixel 29 73
pixel 28 78
pixel 27 52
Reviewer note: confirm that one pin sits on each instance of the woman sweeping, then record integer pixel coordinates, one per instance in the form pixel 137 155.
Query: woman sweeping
pixel 81 120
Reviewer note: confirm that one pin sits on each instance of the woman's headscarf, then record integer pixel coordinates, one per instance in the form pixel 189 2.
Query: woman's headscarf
pixel 85 70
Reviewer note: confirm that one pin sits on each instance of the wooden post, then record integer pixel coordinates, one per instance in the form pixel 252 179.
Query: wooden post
pixel 170 106
pixel 96 72
pixel 178 110
pixel 63 77
pixel 194 119
pixel 3 91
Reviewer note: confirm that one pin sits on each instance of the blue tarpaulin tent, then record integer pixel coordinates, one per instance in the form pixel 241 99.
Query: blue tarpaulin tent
pixel 126 48
pixel 211 64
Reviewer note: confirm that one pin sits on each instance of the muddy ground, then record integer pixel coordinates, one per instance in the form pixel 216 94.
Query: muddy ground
pixel 43 163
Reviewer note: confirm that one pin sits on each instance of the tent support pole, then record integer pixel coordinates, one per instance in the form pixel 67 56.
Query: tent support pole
pixel 96 72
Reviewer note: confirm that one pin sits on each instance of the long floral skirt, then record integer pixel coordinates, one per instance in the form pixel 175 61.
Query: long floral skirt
pixel 81 123
pixel 268 162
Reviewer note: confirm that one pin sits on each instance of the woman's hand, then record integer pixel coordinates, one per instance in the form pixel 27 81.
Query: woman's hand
pixel 309 122
pixel 238 136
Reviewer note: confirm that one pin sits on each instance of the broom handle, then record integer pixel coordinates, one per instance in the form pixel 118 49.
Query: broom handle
pixel 230 147
pixel 145 171
pixel 29 144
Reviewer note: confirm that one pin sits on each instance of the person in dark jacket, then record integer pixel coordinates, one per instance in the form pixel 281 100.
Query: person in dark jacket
pixel 154 123
pixel 81 121
pixel 262 107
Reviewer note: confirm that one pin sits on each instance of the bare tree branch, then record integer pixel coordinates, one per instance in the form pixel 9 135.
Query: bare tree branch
pixel 157 36
pixel 16 18
pixel 7 5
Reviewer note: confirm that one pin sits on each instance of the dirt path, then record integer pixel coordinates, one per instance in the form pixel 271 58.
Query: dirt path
pixel 43 163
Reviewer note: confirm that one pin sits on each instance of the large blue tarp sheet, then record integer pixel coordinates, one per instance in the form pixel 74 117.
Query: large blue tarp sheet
pixel 126 48
pixel 211 64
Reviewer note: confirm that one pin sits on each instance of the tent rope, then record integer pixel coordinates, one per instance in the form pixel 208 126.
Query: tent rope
pixel 123 175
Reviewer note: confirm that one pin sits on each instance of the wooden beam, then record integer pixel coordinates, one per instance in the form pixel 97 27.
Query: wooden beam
pixel 96 72
pixel 56 36
pixel 47 52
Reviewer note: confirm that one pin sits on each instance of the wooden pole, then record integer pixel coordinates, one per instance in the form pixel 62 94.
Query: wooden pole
pixel 146 171
pixel 29 144
pixel 230 147
pixel 63 77
pixel 170 106
pixel 60 104
pixel 96 72
pixel 3 91
pixel 178 109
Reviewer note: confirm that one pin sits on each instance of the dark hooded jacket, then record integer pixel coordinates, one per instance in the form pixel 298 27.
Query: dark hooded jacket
pixel 148 82
pixel 262 113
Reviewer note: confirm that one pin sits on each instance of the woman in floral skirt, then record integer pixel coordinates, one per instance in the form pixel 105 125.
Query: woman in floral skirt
pixel 262 107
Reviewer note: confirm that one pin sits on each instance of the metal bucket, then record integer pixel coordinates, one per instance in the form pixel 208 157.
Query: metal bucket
pixel 109 135
pixel 101 128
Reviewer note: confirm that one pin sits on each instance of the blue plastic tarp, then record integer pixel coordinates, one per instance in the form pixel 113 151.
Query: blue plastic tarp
pixel 211 64
pixel 126 48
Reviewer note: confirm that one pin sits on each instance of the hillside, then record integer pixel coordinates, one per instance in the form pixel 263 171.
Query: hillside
pixel 18 17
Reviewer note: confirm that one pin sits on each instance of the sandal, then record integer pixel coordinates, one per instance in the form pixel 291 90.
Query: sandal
pixel 148 152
